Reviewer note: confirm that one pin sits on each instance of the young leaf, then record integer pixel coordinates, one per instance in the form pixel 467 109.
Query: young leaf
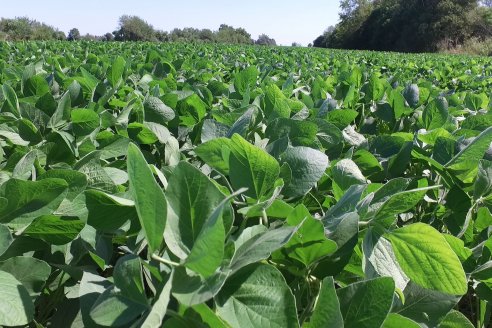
pixel 309 242
pixel 427 259
pixel 252 168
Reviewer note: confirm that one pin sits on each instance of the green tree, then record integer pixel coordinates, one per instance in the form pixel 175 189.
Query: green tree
pixel 134 28
pixel 265 40
pixel 73 35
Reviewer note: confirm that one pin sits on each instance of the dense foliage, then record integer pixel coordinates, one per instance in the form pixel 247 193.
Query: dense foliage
pixel 23 28
pixel 147 184
pixel 130 28
pixel 408 25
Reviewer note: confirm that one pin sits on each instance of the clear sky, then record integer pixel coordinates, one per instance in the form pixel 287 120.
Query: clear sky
pixel 286 21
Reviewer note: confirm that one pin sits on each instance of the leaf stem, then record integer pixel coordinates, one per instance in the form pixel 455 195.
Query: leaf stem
pixel 264 217
pixel 165 261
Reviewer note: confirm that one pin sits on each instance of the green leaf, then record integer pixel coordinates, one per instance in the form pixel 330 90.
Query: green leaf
pixel 194 231
pixel 156 111
pixel 401 202
pixel 256 244
pixel 456 319
pixel 309 242
pixel 395 320
pixel 54 229
pixel 191 110
pixel 483 184
pixel 107 212
pixel 84 121
pixel 257 296
pixel 276 104
pixel 412 95
pixel 424 306
pixel 465 163
pixel 16 307
pixel 159 308
pixel 116 71
pixel 31 272
pixel 128 278
pixel 77 181
pixel 24 166
pixel 427 259
pixel 111 309
pixel 327 313
pixel 245 79
pixel 380 260
pixel 191 289
pixel 30 199
pixel 308 166
pixel 346 173
pixel 435 114
pixel 150 201
pixel 252 168
pixel 366 303
pixel 215 153
pixel 5 238
pixel 300 133
pixel 141 134
pixel 341 118
pixel 11 99
pixel 374 89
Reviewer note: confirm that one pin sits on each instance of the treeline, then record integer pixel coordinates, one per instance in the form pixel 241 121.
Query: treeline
pixel 411 26
pixel 23 28
pixel 130 28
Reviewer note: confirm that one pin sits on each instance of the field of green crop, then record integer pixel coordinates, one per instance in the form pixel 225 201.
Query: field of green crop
pixel 174 185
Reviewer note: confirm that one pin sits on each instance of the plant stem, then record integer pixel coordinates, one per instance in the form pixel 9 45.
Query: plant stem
pixel 163 260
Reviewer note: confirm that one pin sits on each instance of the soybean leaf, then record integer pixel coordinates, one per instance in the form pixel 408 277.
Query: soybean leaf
pixel 150 202
pixel 252 168
pixel 55 230
pixel 366 303
pixel 395 320
pixel 327 312
pixel 194 232
pixel 257 296
pixel 159 308
pixel 128 278
pixel 308 166
pixel 427 259
pixel 30 199
pixel 16 307
pixel 31 272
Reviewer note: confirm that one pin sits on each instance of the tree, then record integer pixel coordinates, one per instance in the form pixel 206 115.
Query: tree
pixel 407 25
pixel 108 37
pixel 265 40
pixel 133 28
pixel 73 35
pixel 229 34
pixel 296 44
pixel 24 28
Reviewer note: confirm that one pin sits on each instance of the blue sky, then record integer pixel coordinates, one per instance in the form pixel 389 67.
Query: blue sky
pixel 284 20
